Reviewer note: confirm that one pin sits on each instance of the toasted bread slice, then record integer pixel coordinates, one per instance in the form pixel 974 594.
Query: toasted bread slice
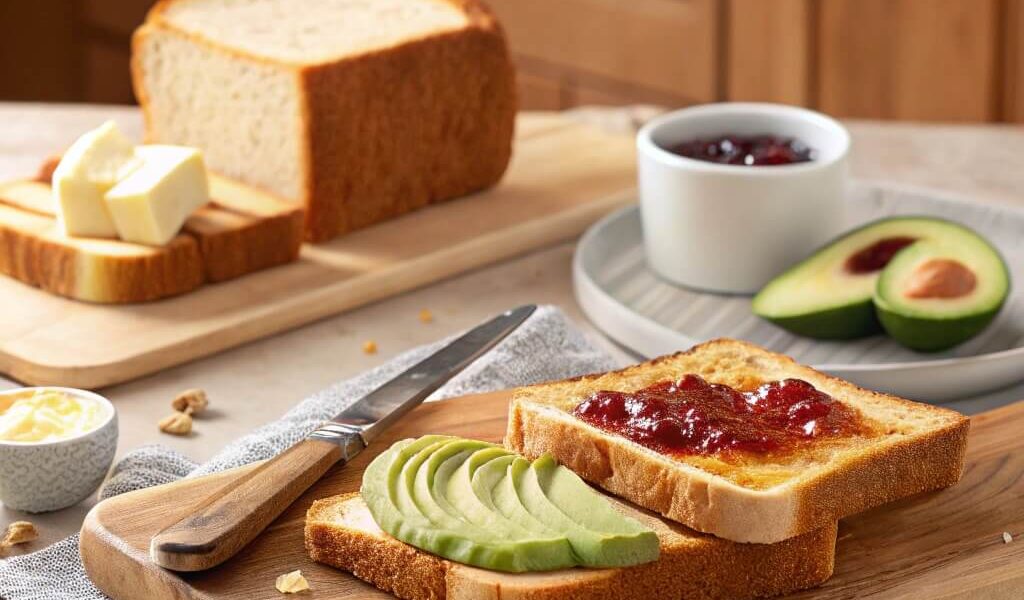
pixel 341 532
pixel 905 448
pixel 244 230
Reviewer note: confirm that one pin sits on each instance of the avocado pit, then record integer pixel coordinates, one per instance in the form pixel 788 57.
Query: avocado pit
pixel 876 256
pixel 941 278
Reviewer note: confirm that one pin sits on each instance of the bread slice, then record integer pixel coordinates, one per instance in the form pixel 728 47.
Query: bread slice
pixel 341 532
pixel 358 110
pixel 906 448
pixel 244 230
pixel 35 251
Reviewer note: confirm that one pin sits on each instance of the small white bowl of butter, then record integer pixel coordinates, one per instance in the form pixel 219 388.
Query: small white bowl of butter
pixel 56 446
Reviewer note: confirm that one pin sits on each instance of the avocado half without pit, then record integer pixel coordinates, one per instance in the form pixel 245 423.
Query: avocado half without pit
pixel 929 282
pixel 476 503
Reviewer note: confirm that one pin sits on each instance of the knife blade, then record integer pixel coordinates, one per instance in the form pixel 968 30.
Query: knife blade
pixel 235 514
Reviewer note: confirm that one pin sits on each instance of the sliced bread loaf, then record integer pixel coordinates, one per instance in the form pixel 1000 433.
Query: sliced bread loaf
pixel 903 448
pixel 341 532
pixel 360 110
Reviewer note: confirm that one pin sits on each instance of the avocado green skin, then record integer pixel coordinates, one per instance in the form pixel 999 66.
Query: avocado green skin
pixel 933 335
pixel 852 321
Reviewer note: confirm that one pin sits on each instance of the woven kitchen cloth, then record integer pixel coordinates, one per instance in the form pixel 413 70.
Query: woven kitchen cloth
pixel 547 346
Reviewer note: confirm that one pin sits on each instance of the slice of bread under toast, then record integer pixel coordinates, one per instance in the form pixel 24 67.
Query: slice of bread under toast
pixel 243 230
pixel 907 448
pixel 341 532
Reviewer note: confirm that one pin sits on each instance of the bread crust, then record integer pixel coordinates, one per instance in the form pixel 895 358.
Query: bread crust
pixel 438 123
pixel 884 471
pixel 692 565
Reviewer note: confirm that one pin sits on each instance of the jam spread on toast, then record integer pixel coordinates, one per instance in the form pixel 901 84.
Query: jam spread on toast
pixel 691 416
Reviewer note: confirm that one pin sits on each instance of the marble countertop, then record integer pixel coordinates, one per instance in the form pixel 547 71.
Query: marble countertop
pixel 255 383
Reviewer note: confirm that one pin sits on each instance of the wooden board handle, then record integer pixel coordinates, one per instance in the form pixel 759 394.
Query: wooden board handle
pixel 235 514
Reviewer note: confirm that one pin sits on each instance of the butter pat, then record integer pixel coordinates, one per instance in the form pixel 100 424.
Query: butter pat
pixel 46 415
pixel 90 167
pixel 151 204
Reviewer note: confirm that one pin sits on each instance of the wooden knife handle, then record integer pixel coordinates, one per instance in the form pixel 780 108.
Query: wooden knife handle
pixel 231 517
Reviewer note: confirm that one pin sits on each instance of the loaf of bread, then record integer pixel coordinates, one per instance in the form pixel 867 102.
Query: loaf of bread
pixel 904 448
pixel 359 110
pixel 341 532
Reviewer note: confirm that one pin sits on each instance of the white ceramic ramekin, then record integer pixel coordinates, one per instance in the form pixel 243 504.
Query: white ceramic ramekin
pixel 45 476
pixel 728 228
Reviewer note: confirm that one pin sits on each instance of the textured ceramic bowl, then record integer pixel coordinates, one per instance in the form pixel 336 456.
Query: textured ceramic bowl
pixel 45 476
pixel 727 228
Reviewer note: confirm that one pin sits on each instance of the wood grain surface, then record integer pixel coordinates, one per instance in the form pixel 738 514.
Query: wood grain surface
pixel 228 520
pixel 943 545
pixel 563 177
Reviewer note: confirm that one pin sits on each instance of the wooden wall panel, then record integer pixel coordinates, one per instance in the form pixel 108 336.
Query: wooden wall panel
pixel 770 53
pixel 666 47
pixel 38 53
pixel 106 69
pixel 909 59
pixel 539 93
pixel 1013 62
pixel 934 60
pixel 118 17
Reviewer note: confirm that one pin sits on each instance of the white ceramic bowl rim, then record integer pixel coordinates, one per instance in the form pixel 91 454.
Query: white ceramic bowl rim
pixel 646 143
pixel 107 404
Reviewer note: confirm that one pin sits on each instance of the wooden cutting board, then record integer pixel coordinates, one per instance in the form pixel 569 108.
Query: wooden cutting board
pixel 563 177
pixel 941 545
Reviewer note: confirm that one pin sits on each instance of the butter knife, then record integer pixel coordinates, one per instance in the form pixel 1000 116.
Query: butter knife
pixel 233 516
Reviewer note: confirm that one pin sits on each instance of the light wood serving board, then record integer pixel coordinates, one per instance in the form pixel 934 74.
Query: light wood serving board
pixel 563 177
pixel 941 545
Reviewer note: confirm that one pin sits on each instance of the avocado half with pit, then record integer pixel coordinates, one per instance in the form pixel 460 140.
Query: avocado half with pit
pixel 937 294
pixel 831 294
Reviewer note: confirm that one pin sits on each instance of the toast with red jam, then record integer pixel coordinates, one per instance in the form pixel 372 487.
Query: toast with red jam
pixel 733 440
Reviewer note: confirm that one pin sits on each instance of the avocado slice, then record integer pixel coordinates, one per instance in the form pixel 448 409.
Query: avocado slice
pixel 380 491
pixel 599 535
pixel 830 294
pixel 549 547
pixel 389 498
pixel 937 294
pixel 445 495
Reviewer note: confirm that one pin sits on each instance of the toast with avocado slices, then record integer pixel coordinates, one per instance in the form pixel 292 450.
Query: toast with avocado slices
pixel 734 440
pixel 341 532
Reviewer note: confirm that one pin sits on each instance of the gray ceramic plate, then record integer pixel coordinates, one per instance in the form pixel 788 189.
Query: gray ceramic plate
pixel 628 302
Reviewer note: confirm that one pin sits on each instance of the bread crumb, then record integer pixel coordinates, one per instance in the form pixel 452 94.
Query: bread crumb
pixel 18 532
pixel 426 316
pixel 1007 538
pixel 178 423
pixel 291 583
pixel 369 347
pixel 191 402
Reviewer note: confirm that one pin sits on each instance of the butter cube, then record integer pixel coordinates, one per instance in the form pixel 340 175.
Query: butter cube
pixel 150 205
pixel 90 167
